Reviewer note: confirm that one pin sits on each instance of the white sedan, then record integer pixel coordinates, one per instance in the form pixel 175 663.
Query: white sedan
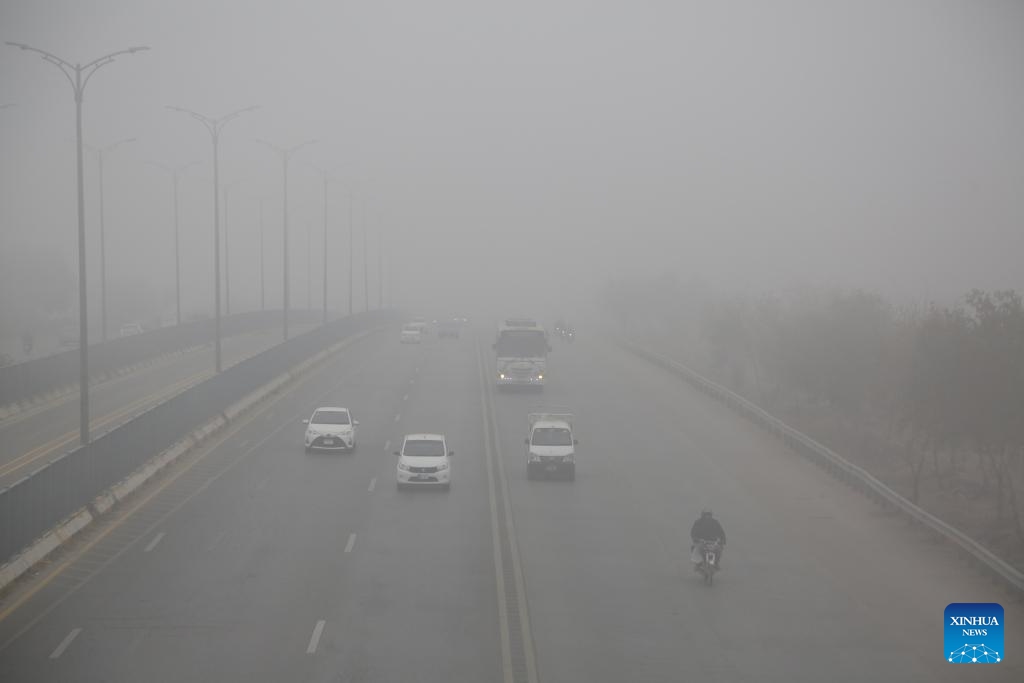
pixel 331 429
pixel 424 460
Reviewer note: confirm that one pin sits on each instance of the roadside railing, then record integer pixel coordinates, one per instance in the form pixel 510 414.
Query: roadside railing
pixel 840 467
pixel 38 379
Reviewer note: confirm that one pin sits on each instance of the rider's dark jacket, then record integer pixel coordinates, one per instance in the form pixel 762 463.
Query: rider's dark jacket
pixel 707 528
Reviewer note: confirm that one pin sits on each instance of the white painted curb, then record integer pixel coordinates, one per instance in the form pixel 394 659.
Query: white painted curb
pixel 44 546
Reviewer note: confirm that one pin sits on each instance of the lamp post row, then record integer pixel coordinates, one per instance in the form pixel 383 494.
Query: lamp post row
pixel 78 76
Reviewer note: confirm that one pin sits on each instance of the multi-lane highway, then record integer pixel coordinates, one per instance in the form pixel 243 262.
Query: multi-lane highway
pixel 31 438
pixel 256 562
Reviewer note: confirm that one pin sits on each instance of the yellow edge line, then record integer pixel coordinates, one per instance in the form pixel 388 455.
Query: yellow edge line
pixel 46 449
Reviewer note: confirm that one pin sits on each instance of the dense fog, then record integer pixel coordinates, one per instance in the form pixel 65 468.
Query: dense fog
pixel 508 157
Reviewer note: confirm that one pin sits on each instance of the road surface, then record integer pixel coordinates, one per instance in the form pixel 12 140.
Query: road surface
pixel 256 562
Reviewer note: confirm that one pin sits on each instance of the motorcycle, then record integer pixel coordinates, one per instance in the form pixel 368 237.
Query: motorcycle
pixel 709 554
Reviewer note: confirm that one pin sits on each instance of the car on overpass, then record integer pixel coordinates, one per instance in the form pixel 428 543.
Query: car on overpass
pixel 424 460
pixel 411 334
pixel 330 429
pixel 421 324
pixel 130 329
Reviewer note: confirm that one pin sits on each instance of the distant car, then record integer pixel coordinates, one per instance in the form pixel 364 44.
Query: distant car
pixel 411 334
pixel 130 329
pixel 330 429
pixel 449 328
pixel 421 324
pixel 424 460
pixel 68 340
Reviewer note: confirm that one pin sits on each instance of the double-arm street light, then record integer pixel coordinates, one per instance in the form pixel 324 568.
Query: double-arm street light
pixel 285 153
pixel 100 153
pixel 175 171
pixel 214 127
pixel 78 76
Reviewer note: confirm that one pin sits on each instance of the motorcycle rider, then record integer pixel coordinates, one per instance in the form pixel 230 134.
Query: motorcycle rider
pixel 706 528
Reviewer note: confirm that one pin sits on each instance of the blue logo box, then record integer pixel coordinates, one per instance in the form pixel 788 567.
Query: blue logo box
pixel 974 633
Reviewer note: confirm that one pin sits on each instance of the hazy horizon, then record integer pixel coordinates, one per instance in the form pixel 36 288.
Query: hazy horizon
pixel 524 153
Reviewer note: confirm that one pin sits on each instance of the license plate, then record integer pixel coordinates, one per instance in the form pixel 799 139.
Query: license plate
pixel 328 442
pixel 421 477
pixel 551 468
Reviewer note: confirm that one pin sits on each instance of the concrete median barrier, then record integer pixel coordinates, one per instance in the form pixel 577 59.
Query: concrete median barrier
pixel 37 507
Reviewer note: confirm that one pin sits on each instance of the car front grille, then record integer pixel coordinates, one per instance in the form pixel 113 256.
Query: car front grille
pixel 318 442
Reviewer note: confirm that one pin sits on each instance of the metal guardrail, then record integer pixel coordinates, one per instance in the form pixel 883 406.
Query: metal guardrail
pixel 845 470
pixel 38 502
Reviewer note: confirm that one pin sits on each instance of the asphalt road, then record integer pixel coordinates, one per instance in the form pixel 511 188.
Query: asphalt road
pixel 257 562
pixel 29 440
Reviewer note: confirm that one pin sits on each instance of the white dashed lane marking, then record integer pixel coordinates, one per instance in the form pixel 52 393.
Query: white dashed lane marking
pixel 373 484
pixel 314 639
pixel 152 544
pixel 65 643
pixel 351 542
pixel 397 417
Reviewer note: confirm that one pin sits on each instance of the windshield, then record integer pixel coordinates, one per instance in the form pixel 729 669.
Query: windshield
pixel 552 436
pixel 522 344
pixel 331 417
pixel 423 447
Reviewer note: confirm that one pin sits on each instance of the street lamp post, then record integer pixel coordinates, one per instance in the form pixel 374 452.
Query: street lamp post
pixel 175 171
pixel 366 263
pixel 380 267
pixel 309 266
pixel 101 152
pixel 326 176
pixel 285 153
pixel 215 126
pixel 351 244
pixel 227 251
pixel 78 76
pixel 263 288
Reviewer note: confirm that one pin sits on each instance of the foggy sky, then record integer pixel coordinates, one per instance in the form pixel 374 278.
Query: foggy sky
pixel 513 152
